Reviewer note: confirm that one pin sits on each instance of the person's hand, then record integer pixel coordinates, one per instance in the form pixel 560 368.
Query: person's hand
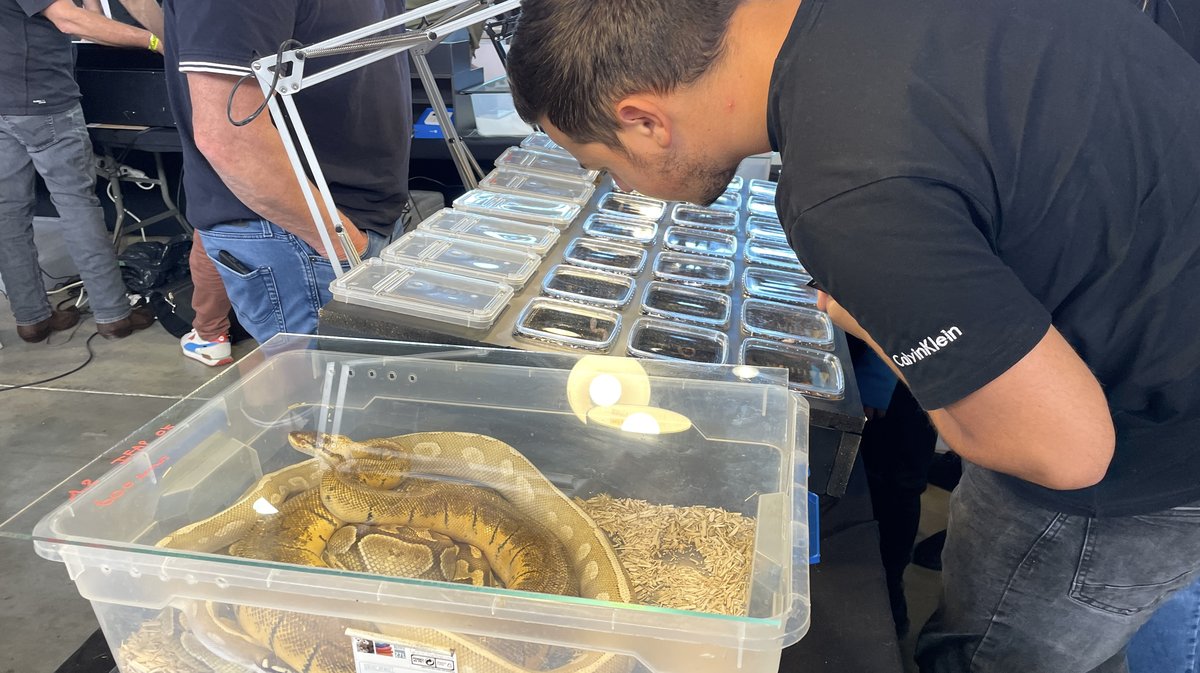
pixel 841 317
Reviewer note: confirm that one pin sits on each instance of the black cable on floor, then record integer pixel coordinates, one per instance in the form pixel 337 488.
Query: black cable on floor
pixel 87 344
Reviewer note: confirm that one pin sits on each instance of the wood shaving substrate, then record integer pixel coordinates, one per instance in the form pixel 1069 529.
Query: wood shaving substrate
pixel 687 558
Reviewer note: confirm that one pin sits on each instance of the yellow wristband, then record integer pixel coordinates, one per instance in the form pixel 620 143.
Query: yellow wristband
pixel 154 42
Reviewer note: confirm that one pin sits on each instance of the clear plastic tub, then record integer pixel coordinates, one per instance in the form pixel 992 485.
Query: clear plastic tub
pixel 765 227
pixel 480 260
pixel 810 372
pixel 761 207
pixel 693 269
pixel 763 189
pixel 623 229
pixel 606 256
pixel 540 142
pixel 687 215
pixel 650 338
pixel 520 181
pixel 784 322
pixel 775 285
pixel 423 293
pixel 743 449
pixel 690 304
pixel 589 286
pixel 546 163
pixel 771 252
pixel 570 325
pixel 697 242
pixel 633 205
pixel 735 185
pixel 461 224
pixel 525 208
pixel 731 201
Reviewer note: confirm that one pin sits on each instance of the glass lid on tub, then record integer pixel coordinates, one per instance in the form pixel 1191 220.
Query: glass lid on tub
pixel 425 293
pixel 690 304
pixel 728 201
pixel 763 189
pixel 810 372
pixel 765 227
pixel 633 205
pixel 787 323
pixel 776 285
pixel 693 269
pixel 699 242
pixel 518 181
pixel 540 142
pixel 659 339
pixel 688 215
pixel 589 286
pixel 493 262
pixel 567 324
pixel 619 228
pixel 771 252
pixel 526 208
pixel 536 238
pixel 604 255
pixel 542 162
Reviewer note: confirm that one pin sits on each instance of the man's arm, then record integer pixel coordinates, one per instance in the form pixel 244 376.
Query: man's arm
pixel 251 159
pixel 74 20
pixel 146 12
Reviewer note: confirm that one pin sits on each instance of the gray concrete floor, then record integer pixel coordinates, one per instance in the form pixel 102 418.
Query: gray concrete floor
pixel 47 433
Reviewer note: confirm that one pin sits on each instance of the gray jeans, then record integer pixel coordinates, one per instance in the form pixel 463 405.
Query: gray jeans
pixel 1030 590
pixel 58 147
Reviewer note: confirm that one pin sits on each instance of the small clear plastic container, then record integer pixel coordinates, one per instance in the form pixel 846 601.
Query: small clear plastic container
pixel 771 252
pixel 589 286
pixel 735 185
pixel 460 224
pixel 762 207
pixel 633 205
pixel 787 323
pixel 423 293
pixel 728 201
pixel 763 189
pixel 776 285
pixel 661 340
pixel 545 163
pixel 491 262
pixel 693 269
pixel 540 142
pixel 623 229
pixel 810 372
pixel 687 215
pixel 690 304
pixel 526 208
pixel 765 227
pixel 562 323
pixel 697 242
pixel 520 181
pixel 605 256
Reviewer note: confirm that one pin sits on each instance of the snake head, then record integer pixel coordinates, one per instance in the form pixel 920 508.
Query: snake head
pixel 341 450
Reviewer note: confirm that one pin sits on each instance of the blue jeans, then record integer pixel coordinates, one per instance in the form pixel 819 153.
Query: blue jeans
pixel 287 281
pixel 57 147
pixel 1170 641
pixel 1031 590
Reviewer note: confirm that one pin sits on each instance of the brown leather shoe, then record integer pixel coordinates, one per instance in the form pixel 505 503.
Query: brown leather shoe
pixel 57 322
pixel 140 318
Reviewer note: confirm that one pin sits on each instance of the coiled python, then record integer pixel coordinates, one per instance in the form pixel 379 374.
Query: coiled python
pixel 364 506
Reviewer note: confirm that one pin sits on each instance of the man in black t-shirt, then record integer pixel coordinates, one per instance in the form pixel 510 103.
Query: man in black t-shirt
pixel 1002 198
pixel 243 196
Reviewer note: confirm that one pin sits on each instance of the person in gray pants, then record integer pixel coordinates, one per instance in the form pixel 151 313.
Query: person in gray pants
pixel 42 129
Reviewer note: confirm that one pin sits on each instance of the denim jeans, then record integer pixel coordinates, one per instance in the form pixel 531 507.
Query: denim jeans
pixel 1170 641
pixel 1036 591
pixel 287 281
pixel 57 147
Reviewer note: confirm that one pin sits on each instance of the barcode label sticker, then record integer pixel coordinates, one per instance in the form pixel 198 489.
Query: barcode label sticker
pixel 377 653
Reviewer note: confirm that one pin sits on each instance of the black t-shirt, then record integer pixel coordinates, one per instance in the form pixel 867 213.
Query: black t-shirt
pixel 36 61
pixel 960 176
pixel 1179 18
pixel 360 123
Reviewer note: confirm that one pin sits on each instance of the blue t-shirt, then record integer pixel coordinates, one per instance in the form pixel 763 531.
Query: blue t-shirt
pixel 360 123
pixel 36 61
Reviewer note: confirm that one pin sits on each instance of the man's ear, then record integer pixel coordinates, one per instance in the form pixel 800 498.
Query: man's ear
pixel 643 118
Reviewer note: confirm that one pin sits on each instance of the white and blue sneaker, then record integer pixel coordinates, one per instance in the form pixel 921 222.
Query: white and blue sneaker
pixel 211 353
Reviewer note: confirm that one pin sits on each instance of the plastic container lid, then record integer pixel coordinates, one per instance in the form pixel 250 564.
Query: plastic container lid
pixel 492 262
pixel 552 164
pixel 776 285
pixel 761 206
pixel 589 286
pixel 810 372
pixel 460 224
pixel 692 304
pixel 728 201
pixel 765 227
pixel 424 293
pixel 605 256
pixel 771 252
pixel 735 185
pixel 527 208
pixel 697 242
pixel 693 269
pixel 520 181
pixel 624 229
pixel 763 189
pixel 688 215
pixel 563 323
pixel 540 142
pixel 661 340
pixel 793 324
pixel 634 205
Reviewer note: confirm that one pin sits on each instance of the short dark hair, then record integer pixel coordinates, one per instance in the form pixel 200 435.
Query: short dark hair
pixel 572 60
